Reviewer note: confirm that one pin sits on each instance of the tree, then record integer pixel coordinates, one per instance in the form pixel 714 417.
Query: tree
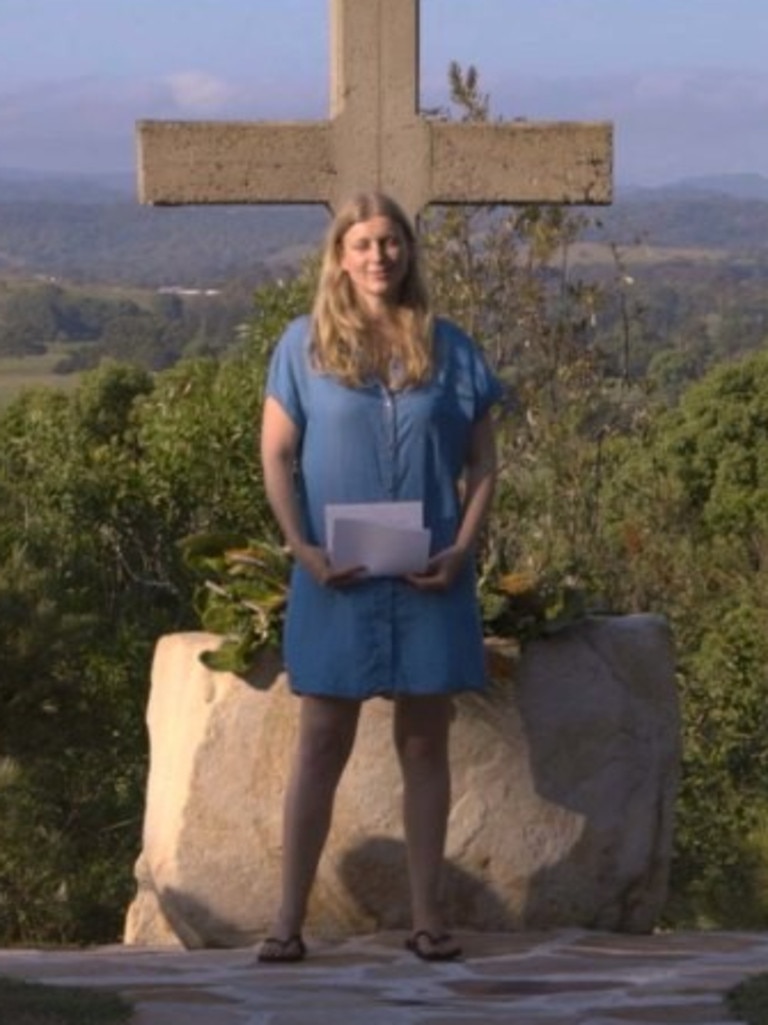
pixel 98 487
pixel 28 320
pixel 78 626
pixel 719 447
pixel 685 514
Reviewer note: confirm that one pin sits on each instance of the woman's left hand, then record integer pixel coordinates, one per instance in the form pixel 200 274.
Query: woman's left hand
pixel 441 571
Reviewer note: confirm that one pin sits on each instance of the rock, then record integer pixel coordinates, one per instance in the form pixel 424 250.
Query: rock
pixel 145 917
pixel 564 780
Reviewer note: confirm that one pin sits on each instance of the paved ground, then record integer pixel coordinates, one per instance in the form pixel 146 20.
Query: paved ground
pixel 565 978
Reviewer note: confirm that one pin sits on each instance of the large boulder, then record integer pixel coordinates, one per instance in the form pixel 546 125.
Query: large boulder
pixel 564 781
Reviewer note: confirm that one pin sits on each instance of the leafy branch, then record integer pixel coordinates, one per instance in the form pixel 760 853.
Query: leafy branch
pixel 242 595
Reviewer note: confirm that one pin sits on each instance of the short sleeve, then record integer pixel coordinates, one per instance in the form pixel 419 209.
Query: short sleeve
pixel 476 386
pixel 286 377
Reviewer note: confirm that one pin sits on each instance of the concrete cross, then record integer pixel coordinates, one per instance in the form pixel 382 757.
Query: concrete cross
pixel 375 138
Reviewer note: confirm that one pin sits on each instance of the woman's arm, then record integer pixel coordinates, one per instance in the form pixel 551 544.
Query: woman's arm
pixel 479 486
pixel 479 483
pixel 280 439
pixel 279 444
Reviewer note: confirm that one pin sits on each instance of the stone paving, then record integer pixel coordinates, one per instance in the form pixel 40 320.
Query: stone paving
pixel 570 977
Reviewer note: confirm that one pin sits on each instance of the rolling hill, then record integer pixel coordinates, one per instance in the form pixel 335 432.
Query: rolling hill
pixel 91 229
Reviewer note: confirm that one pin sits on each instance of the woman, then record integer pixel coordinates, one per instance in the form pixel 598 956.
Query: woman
pixel 372 399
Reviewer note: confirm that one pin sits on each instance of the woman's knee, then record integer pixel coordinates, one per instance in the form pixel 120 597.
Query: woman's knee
pixel 421 729
pixel 326 735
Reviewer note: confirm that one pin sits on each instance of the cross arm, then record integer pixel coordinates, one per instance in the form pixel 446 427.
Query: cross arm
pixel 521 162
pixel 234 162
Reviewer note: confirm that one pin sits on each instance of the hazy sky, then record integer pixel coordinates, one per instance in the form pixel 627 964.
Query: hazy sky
pixel 684 81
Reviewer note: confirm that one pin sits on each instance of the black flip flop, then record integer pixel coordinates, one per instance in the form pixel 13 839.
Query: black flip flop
pixel 428 947
pixel 277 951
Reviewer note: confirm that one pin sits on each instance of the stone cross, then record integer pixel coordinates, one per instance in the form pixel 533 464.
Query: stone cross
pixel 375 139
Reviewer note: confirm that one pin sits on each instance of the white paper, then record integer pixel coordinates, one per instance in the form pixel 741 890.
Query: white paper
pixel 387 538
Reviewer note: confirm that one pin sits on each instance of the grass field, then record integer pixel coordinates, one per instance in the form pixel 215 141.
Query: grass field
pixel 20 372
pixel 598 253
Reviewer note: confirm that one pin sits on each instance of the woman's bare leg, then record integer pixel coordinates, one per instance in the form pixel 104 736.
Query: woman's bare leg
pixel 421 737
pixel 327 728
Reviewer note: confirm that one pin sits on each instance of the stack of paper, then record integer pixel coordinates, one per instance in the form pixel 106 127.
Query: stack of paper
pixel 387 538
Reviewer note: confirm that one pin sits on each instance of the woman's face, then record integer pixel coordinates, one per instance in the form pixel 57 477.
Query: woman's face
pixel 374 253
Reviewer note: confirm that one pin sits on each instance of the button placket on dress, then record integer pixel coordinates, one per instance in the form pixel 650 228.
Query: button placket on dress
pixel 386 632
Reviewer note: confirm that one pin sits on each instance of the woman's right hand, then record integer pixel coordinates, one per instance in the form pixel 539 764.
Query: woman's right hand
pixel 280 438
pixel 315 561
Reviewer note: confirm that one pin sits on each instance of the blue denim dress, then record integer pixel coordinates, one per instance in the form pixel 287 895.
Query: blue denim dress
pixel 382 636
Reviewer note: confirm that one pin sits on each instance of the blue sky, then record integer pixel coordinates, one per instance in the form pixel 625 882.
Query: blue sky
pixel 684 81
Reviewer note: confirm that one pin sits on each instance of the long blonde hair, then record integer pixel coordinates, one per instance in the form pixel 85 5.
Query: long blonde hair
pixel 340 327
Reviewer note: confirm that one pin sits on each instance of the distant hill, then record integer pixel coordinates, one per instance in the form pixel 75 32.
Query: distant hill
pixel 738 186
pixel 20 186
pixel 92 229
pixel 735 186
pixel 688 219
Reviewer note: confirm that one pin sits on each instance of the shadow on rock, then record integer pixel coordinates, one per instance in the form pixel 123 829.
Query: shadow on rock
pixel 375 874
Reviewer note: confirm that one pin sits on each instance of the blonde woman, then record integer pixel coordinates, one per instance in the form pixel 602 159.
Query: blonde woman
pixel 371 399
